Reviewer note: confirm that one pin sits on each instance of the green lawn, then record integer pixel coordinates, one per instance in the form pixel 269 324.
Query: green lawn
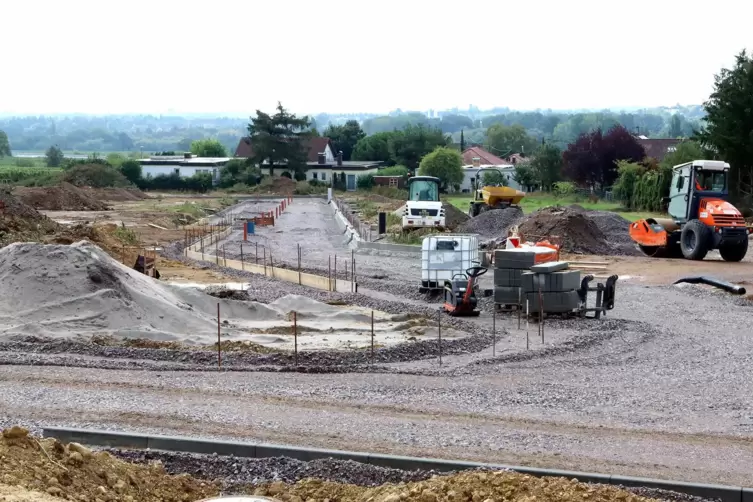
pixel 538 200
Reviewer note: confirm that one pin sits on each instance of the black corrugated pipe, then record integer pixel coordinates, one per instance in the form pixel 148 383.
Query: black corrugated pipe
pixel 726 286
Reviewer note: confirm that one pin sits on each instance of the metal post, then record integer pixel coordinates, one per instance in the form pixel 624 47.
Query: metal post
pixel 352 270
pixel 335 283
pixel 439 334
pixel 224 256
pixel 256 259
pixel 494 331
pixel 219 342
pixel 242 265
pixel 216 252
pixel 372 337
pixel 520 304
pixel 299 264
pixel 295 336
pixel 329 273
pixel 527 342
pixel 541 314
pixel 265 260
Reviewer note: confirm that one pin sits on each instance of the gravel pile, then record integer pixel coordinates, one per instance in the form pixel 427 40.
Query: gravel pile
pixel 454 217
pixel 233 471
pixel 493 224
pixel 23 350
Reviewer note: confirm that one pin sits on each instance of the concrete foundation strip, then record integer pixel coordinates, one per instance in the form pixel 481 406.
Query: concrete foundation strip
pixel 251 450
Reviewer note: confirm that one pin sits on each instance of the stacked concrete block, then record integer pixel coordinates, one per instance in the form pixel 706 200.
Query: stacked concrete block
pixel 552 285
pixel 509 267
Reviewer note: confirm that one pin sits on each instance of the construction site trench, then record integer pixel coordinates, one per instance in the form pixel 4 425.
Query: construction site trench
pixel 659 388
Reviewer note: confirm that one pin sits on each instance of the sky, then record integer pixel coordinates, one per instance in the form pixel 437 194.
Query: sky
pixel 339 56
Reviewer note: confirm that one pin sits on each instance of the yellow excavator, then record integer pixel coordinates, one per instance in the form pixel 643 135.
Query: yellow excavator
pixel 488 197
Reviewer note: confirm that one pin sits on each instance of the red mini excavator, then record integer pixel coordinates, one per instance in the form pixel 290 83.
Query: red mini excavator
pixel 700 220
pixel 460 293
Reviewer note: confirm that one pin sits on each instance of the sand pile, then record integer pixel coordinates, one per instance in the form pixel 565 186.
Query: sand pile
pixel 65 291
pixel 73 472
pixel 475 486
pixel 580 231
pixel 492 224
pixel 61 291
pixel 64 197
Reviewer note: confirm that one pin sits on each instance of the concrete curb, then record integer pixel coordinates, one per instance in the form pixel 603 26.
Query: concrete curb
pixel 388 246
pixel 359 243
pixel 251 450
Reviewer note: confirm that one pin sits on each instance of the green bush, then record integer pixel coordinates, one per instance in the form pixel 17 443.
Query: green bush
pixel 305 188
pixel 365 182
pixel 393 171
pixel 201 182
pixel 626 187
pixel 564 189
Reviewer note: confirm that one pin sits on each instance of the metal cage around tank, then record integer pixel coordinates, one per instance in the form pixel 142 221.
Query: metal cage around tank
pixel 445 255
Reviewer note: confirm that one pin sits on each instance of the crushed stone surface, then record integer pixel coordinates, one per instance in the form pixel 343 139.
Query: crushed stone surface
pixel 235 472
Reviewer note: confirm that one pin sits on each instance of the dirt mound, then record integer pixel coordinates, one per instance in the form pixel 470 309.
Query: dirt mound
pixel 615 228
pixel 579 230
pixel 492 224
pixel 102 236
pixel 454 217
pixel 74 472
pixel 116 194
pixel 15 207
pixel 20 222
pixel 501 485
pixel 65 197
pixel 279 185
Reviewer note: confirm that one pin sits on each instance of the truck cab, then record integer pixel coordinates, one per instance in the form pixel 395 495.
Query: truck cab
pixel 423 208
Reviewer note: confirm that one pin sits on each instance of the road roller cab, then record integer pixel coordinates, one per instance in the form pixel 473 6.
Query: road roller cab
pixel 700 218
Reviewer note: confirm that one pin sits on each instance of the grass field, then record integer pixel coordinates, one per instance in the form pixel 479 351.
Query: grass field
pixel 535 201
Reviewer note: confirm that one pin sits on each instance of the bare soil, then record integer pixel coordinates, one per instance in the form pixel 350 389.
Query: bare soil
pixel 74 472
pixel 467 486
pixel 64 197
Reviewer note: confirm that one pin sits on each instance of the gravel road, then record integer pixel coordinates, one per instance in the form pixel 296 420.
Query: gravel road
pixel 660 388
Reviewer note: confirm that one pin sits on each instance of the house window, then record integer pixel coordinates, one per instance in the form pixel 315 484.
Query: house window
pixel 324 176
pixel 315 175
pixel 177 170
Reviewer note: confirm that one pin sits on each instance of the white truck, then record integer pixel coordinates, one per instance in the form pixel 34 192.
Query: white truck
pixel 423 208
pixel 443 256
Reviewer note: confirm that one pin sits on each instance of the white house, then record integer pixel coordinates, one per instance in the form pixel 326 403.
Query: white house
pixel 474 174
pixel 184 165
